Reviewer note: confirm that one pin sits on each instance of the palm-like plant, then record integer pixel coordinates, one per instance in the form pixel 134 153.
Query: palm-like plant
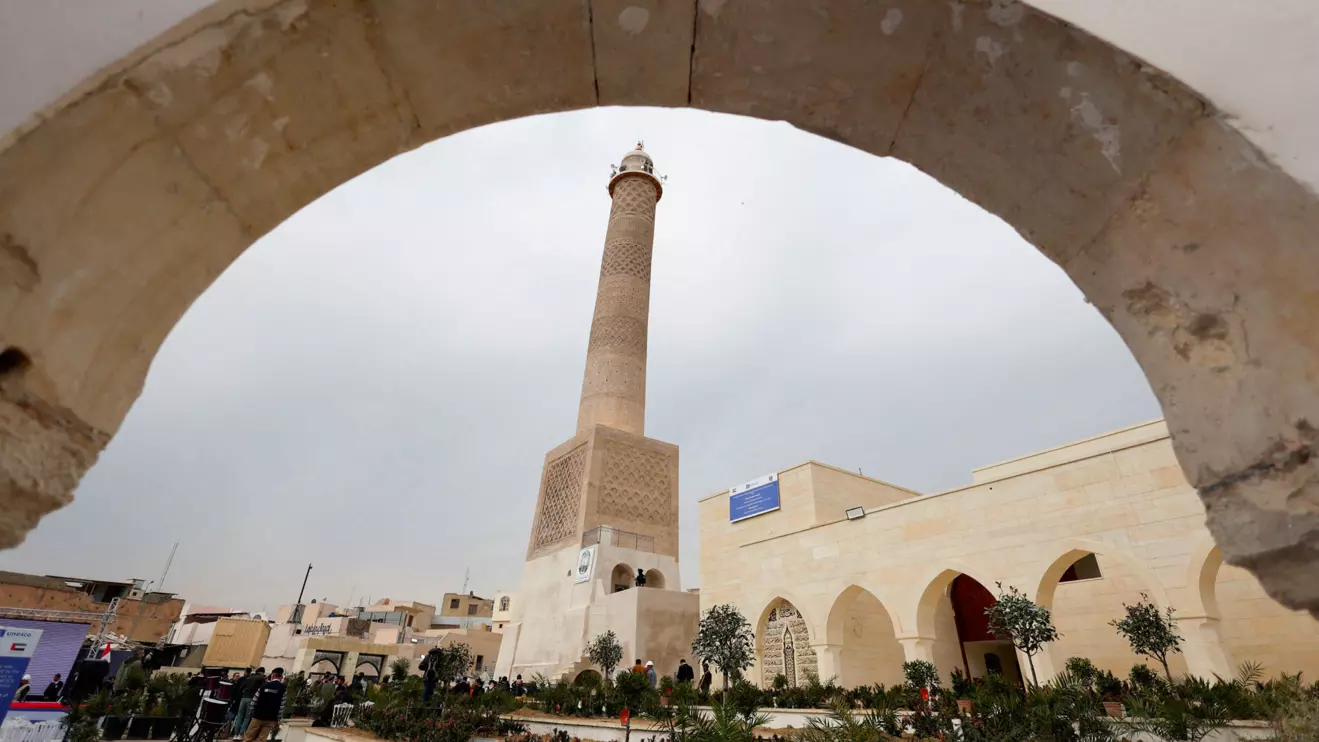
pixel 1186 710
pixel 842 725
pixel 725 724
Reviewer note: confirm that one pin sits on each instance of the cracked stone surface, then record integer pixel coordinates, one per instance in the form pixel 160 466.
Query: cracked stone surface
pixel 120 205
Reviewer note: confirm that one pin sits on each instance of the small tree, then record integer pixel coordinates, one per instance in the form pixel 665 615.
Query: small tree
pixel 451 662
pixel 725 640
pixel 399 669
pixel 921 674
pixel 1021 621
pixel 605 651
pixel 1150 633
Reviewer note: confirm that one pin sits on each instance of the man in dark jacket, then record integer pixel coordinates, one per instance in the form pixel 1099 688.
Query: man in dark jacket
pixel 54 689
pixel 430 673
pixel 266 707
pixel 246 691
pixel 685 673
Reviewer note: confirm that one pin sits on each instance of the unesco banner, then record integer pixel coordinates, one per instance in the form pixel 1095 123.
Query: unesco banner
pixel 754 498
pixel 16 649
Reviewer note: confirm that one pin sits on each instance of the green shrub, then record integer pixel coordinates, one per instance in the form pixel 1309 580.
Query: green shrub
pixel 962 686
pixel 1082 669
pixel 744 699
pixel 921 674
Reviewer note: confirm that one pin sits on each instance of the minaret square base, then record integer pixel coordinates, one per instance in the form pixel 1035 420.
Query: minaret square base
pixel 616 492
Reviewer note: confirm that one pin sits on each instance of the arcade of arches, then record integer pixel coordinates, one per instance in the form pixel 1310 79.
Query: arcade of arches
pixel 123 201
pixel 1082 529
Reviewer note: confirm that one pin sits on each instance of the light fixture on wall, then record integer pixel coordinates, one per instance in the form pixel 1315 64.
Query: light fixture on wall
pixel 856 513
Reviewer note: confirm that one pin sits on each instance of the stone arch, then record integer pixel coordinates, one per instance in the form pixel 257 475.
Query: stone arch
pixel 655 579
pixel 783 643
pixel 1082 610
pixel 123 201
pixel 922 616
pixel 372 665
pixel 939 626
pixel 622 577
pixel 1202 580
pixel 861 631
pixel 326 662
pixel 588 677
pixel 1077 548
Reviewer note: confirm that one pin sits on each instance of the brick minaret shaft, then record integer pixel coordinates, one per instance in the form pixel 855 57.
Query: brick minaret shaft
pixel 614 386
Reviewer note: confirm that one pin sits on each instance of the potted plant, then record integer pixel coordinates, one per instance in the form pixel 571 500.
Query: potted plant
pixel 1110 690
pixel 139 727
pixel 115 722
pixel 963 690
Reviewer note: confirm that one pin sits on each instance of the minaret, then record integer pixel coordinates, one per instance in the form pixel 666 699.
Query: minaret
pixel 608 500
pixel 614 386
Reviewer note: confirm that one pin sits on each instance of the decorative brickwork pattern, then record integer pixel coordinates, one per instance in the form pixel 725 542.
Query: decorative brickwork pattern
pixel 634 196
pixel 786 647
pixel 620 334
pixel 636 486
pixel 622 295
pixel 557 519
pixel 628 258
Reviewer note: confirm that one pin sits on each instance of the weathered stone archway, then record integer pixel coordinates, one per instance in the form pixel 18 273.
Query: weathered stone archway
pixel 120 204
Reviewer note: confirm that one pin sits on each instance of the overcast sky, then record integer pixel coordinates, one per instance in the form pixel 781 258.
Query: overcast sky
pixel 373 386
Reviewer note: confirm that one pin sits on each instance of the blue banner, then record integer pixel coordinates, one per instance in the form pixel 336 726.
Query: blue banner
pixel 16 649
pixel 757 497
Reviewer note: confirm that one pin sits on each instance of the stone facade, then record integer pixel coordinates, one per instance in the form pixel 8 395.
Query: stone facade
pixel 864 595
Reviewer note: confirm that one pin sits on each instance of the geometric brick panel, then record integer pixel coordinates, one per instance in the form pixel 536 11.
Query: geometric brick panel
pixel 626 258
pixel 620 334
pixel 634 197
pixel 636 486
pixel 557 519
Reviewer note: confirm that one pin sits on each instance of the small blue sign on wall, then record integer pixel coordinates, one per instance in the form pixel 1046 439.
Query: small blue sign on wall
pixel 754 498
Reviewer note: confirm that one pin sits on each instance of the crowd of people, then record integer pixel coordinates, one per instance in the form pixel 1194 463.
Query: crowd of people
pixel 52 692
pixel 475 687
pixel 684 673
pixel 255 703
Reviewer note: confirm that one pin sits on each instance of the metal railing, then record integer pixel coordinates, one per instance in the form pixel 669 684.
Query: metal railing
pixel 610 536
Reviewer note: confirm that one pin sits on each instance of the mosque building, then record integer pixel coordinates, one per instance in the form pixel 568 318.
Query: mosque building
pixel 847 577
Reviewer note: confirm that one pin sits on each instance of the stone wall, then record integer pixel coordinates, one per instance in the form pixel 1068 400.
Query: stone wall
pixel 149 621
pixel 1126 502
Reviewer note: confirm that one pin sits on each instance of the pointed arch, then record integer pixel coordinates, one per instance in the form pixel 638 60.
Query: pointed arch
pixel 919 621
pixel 1083 609
pixel 784 638
pixel 1074 549
pixel 860 629
pixel 1202 581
